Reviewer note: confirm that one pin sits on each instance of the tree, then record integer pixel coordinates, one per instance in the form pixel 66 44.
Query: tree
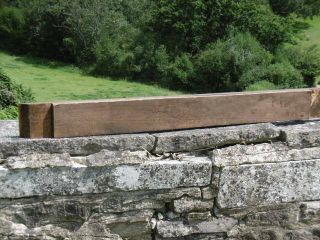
pixel 221 65
pixel 306 8
pixel 188 26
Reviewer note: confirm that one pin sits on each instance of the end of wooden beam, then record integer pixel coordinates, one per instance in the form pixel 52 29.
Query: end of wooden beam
pixel 36 120
pixel 315 103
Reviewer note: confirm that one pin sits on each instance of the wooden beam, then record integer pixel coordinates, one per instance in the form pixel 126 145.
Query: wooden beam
pixel 115 116
pixel 170 113
pixel 35 120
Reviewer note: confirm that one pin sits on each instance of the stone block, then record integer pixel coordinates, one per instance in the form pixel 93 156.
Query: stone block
pixel 176 229
pixel 190 140
pixel 9 129
pixel 187 204
pixel 199 216
pixel 83 146
pixel 270 183
pixel 310 212
pixel 285 218
pixel 301 134
pixel 209 193
pixel 206 237
pixel 16 231
pixel 261 153
pixel 69 176
pixel 128 225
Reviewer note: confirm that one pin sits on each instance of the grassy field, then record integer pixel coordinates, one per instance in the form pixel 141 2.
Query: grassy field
pixel 312 34
pixel 52 81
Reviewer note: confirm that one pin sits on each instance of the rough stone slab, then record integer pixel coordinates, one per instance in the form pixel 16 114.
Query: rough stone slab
pixel 189 140
pixel 35 161
pixel 261 153
pixel 9 129
pixel 187 204
pixel 68 177
pixel 114 158
pixel 107 202
pixel 157 237
pixel 16 231
pixel 263 184
pixel 310 212
pixel 216 225
pixel 209 193
pixel 280 217
pixel 128 225
pixel 206 237
pixel 173 229
pixel 199 216
pixel 71 211
pixel 101 159
pixel 11 145
pixel 197 237
pixel 301 135
pixel 178 193
pixel 306 232
pixel 242 213
pixel 164 174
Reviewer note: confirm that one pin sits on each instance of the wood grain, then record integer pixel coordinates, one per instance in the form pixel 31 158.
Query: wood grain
pixel 171 113
pixel 115 116
pixel 35 120
pixel 315 103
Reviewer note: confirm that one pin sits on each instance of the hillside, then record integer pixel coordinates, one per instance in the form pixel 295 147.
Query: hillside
pixel 52 81
pixel 312 34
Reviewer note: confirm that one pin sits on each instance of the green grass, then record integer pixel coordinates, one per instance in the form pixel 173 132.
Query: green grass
pixel 312 35
pixel 261 85
pixel 54 81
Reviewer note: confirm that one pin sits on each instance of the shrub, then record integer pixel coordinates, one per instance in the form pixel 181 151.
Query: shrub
pixel 114 51
pixel 282 75
pixel 7 96
pixel 304 8
pixel 221 65
pixel 159 64
pixel 12 94
pixel 307 60
pixel 212 69
pixel 180 72
pixel 188 26
pixel 261 85
pixel 270 29
pixel 112 60
pixel 181 25
pixel 84 27
pixel 144 51
pixel 9 113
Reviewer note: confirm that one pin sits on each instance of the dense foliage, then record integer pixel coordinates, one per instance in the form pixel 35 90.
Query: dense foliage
pixel 11 95
pixel 195 45
pixel 300 7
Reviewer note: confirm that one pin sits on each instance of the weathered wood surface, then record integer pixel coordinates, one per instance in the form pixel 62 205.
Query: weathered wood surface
pixel 36 120
pixel 115 116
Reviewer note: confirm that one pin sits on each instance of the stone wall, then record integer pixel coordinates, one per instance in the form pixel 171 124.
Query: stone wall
pixel 246 182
